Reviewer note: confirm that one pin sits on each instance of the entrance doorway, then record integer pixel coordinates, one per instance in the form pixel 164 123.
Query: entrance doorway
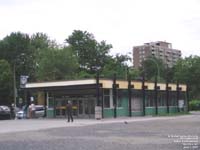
pixel 82 107
pixel 86 108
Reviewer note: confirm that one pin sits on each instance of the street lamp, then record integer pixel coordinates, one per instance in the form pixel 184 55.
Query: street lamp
pixel 14 87
pixel 155 86
pixel 14 80
pixel 158 70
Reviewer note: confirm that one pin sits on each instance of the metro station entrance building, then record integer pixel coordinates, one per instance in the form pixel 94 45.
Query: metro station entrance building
pixel 103 98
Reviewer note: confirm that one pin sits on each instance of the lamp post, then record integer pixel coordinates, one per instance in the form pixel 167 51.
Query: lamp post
pixel 14 87
pixel 99 108
pixel 157 78
pixel 158 70
pixel 14 80
pixel 167 90
pixel 155 86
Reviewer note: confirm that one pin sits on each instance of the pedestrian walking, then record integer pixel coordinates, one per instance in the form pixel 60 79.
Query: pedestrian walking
pixel 32 110
pixel 69 111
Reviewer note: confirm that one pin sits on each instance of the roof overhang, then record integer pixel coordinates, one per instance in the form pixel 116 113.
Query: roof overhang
pixel 106 83
pixel 60 83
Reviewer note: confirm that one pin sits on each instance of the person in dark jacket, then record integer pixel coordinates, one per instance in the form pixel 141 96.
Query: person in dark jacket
pixel 12 111
pixel 69 111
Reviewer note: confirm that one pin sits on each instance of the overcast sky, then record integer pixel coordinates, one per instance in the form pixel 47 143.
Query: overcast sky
pixel 122 23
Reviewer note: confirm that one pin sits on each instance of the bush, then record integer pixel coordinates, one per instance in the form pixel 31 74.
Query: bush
pixel 194 105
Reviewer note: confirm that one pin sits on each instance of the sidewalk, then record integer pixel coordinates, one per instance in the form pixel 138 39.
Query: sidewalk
pixel 9 126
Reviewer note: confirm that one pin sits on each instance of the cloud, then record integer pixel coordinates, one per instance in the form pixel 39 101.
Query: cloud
pixel 124 24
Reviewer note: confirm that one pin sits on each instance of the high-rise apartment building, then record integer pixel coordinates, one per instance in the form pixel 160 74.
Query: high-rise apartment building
pixel 159 49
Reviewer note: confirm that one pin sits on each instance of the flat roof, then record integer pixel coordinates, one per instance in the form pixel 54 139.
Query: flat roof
pixel 60 83
pixel 106 83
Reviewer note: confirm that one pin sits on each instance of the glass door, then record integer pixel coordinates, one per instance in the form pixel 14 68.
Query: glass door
pixel 60 107
pixel 81 110
pixel 86 108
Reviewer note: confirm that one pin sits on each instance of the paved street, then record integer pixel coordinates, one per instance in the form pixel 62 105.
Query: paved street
pixel 142 133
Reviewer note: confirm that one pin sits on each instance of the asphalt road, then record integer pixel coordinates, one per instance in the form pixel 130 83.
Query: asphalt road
pixel 161 134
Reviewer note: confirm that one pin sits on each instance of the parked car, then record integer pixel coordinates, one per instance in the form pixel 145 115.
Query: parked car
pixel 39 111
pixel 24 112
pixel 5 112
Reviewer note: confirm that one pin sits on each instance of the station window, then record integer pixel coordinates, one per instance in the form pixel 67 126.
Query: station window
pixel 106 98
pixel 172 98
pixel 136 100
pixel 150 98
pixel 106 101
pixel 119 102
pixel 119 98
pixel 106 92
pixel 51 102
pixel 182 96
pixel 161 98
pixel 120 95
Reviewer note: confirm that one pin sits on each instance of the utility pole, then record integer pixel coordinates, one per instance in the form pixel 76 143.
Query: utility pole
pixel 14 87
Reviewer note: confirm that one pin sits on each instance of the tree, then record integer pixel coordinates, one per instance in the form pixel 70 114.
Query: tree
pixel 41 41
pixel 91 54
pixel 152 67
pixel 135 74
pixel 16 49
pixel 5 82
pixel 188 71
pixel 40 45
pixel 56 64
pixel 118 65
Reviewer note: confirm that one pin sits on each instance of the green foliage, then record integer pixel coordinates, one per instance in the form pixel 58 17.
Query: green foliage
pixel 56 64
pixel 84 75
pixel 16 49
pixel 152 67
pixel 41 41
pixel 43 59
pixel 5 82
pixel 134 73
pixel 185 71
pixel 40 45
pixel 117 65
pixel 194 105
pixel 188 71
pixel 91 54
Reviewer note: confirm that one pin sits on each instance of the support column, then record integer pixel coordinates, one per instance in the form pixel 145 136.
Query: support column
pixel 25 97
pixel 54 105
pixel 28 98
pixel 167 95
pixel 167 90
pixel 45 103
pixel 97 89
pixel 115 96
pixel 177 95
pixel 130 96
pixel 156 95
pixel 143 94
pixel 102 104
pixel 187 92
